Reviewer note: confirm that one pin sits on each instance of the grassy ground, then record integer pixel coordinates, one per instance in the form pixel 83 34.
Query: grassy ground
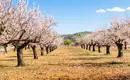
pixel 67 63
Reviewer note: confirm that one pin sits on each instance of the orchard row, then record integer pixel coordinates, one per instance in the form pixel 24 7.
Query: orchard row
pixel 117 34
pixel 22 26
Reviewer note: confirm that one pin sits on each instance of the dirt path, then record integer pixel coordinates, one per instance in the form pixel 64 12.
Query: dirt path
pixel 66 63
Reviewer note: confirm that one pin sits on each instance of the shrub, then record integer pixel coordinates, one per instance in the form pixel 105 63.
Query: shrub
pixel 67 42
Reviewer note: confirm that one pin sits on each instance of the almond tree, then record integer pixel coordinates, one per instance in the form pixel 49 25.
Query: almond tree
pixel 94 39
pixel 52 36
pixel 98 40
pixel 117 34
pixel 87 40
pixel 57 42
pixel 77 41
pixel 126 32
pixel 43 35
pixel 22 27
pixel 5 11
pixel 103 39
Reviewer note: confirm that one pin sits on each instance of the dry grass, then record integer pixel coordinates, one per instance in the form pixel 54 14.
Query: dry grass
pixel 67 63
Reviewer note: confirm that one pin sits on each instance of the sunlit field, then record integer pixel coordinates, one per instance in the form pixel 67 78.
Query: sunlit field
pixel 66 63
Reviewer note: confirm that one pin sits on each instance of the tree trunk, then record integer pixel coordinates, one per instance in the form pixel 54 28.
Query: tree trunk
pixel 50 49
pixel 47 49
pixel 120 52
pixel 34 52
pixel 20 53
pixel 53 48
pixel 99 48
pixel 25 47
pixel 42 51
pixel 94 47
pixel 125 43
pixel 90 47
pixel 107 49
pixel 20 57
pixel 5 48
pixel 15 48
pixel 83 46
pixel 86 47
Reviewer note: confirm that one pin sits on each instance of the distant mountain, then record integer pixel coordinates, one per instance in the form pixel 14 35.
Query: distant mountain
pixel 75 35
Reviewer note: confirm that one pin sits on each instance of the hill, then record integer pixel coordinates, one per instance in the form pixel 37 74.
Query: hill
pixel 75 35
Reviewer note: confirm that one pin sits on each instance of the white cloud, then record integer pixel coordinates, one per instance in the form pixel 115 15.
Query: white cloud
pixel 128 8
pixel 116 9
pixel 100 11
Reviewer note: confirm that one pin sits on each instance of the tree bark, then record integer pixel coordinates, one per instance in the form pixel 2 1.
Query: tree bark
pixel 90 47
pixel 34 52
pixel 25 47
pixel 53 48
pixel 83 46
pixel 94 47
pixel 125 43
pixel 50 49
pixel 99 48
pixel 107 49
pixel 5 48
pixel 86 47
pixel 20 57
pixel 20 53
pixel 42 51
pixel 15 48
pixel 47 49
pixel 120 52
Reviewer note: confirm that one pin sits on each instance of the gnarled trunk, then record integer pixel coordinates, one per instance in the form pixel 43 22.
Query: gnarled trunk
pixel 90 47
pixel 86 47
pixel 125 44
pixel 94 47
pixel 47 49
pixel 42 51
pixel 34 52
pixel 99 48
pixel 20 57
pixel 107 49
pixel 120 51
pixel 5 48
pixel 53 48
pixel 50 49
pixel 83 46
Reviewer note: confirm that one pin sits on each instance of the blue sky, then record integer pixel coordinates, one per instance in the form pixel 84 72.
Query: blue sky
pixel 83 15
